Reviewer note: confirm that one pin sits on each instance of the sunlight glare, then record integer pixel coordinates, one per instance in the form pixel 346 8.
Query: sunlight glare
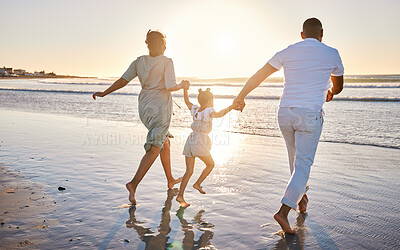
pixel 224 143
pixel 225 45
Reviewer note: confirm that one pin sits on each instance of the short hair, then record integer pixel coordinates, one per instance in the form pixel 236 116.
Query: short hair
pixel 154 39
pixel 312 27
pixel 205 96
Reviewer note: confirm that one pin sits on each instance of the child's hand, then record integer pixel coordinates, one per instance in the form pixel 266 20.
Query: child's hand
pixel 100 94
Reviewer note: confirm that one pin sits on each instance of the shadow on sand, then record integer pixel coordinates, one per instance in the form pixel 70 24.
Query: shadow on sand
pixel 298 241
pixel 163 239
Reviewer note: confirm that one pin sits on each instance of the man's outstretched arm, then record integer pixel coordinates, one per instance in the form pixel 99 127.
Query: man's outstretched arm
pixel 253 83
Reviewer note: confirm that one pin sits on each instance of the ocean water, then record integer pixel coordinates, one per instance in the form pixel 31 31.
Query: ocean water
pixel 366 112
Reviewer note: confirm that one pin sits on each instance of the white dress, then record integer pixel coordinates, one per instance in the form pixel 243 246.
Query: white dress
pixel 199 143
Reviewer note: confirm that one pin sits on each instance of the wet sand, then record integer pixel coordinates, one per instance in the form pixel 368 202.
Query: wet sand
pixel 23 211
pixel 354 198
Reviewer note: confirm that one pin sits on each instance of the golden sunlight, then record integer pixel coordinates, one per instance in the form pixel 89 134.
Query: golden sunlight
pixel 212 47
pixel 223 142
pixel 225 45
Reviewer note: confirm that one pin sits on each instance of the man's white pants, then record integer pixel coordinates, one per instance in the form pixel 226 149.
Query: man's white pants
pixel 301 128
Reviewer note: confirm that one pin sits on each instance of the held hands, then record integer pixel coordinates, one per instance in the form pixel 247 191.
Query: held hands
pixel 238 104
pixel 185 84
pixel 329 96
pixel 99 94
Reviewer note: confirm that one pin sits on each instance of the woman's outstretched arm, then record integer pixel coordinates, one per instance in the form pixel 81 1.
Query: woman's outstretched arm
pixel 120 83
pixel 179 86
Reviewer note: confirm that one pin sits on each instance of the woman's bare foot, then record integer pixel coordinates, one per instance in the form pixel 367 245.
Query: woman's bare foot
pixel 182 202
pixel 131 190
pixel 284 223
pixel 172 182
pixel 303 204
pixel 198 187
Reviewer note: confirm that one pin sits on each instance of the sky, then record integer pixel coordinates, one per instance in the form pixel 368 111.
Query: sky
pixel 207 39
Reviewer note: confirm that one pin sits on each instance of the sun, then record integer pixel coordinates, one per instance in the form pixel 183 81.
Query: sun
pixel 224 44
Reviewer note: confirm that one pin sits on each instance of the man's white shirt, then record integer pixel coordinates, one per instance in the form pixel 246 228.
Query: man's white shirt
pixel 308 66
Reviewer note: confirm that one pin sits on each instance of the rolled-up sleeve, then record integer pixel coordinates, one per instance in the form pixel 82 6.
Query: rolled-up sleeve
pixel 170 79
pixel 339 69
pixel 131 72
pixel 276 61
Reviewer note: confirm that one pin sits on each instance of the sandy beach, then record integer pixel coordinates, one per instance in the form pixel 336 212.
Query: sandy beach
pixel 24 211
pixel 354 198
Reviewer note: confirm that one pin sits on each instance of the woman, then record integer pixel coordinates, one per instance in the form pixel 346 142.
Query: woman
pixel 157 78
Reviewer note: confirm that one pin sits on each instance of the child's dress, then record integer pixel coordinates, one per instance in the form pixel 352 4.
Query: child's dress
pixel 156 75
pixel 199 143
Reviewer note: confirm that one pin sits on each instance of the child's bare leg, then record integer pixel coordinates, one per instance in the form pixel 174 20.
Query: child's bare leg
pixel 165 157
pixel 144 166
pixel 208 160
pixel 186 177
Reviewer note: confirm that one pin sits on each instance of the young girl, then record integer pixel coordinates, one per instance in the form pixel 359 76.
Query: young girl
pixel 157 78
pixel 198 143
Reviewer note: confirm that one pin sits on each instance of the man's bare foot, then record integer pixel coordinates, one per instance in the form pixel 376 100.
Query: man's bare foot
pixel 131 190
pixel 172 182
pixel 182 202
pixel 303 204
pixel 284 223
pixel 200 188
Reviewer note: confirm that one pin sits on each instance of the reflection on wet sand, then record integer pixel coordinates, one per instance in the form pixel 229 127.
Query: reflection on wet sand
pixel 294 241
pixel 162 240
pixel 203 226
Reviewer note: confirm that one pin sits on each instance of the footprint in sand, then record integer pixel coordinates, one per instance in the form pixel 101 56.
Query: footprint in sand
pixel 10 191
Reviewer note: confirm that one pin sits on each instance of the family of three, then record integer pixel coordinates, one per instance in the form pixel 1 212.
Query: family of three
pixel 313 74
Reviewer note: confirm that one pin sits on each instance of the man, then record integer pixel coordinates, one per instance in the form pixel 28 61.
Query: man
pixel 308 65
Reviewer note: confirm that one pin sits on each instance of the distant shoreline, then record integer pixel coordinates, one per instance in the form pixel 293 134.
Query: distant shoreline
pixel 44 76
pixel 347 78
